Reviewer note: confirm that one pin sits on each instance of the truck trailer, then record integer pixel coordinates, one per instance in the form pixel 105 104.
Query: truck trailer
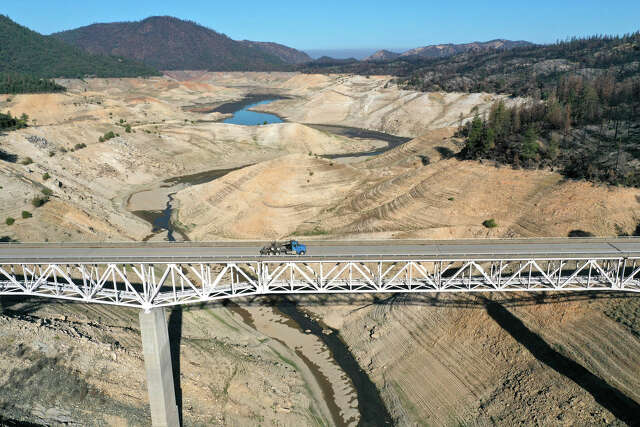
pixel 292 247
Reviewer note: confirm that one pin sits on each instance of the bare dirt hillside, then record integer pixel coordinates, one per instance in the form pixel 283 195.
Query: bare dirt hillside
pixel 69 364
pixel 414 191
pixel 501 360
pixel 90 179
pixel 436 360
pixel 373 103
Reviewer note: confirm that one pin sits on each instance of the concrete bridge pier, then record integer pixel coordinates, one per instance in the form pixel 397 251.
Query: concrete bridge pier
pixel 157 362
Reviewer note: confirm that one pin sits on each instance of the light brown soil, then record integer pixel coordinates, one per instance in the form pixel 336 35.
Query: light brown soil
pixel 436 360
pixel 395 195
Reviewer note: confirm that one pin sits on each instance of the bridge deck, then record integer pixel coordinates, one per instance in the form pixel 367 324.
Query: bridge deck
pixel 320 250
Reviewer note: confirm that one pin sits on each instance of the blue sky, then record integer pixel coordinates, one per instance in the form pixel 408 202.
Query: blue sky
pixel 351 24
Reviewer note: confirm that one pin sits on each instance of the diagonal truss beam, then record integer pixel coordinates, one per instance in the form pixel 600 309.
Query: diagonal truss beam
pixel 149 285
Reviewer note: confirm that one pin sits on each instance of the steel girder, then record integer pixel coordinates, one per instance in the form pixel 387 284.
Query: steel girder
pixel 150 285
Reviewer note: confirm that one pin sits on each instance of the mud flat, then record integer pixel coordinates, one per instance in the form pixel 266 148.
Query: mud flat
pixel 155 205
pixel 351 397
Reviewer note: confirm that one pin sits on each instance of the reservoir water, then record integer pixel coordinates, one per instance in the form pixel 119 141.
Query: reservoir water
pixel 246 117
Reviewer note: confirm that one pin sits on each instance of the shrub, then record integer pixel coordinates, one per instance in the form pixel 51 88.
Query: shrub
pixel 490 223
pixel 52 153
pixel 80 146
pixel 46 176
pixel 47 191
pixel 580 233
pixel 10 221
pixel 26 214
pixel 63 150
pixel 127 129
pixel 39 201
pixel 27 161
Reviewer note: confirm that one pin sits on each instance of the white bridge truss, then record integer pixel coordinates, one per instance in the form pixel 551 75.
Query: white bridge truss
pixel 148 285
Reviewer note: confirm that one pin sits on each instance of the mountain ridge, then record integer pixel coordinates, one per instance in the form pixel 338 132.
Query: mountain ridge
pixel 170 43
pixel 23 50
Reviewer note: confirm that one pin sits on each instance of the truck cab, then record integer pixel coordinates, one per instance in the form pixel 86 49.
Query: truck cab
pixel 297 247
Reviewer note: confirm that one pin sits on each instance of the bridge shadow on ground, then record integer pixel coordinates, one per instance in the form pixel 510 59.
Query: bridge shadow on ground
pixel 621 406
pixel 12 306
pixel 616 402
pixel 438 299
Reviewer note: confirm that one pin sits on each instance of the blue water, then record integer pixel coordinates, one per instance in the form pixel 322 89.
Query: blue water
pixel 252 118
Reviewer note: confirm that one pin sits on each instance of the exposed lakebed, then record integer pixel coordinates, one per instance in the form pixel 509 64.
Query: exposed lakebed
pixel 348 393
pixel 155 204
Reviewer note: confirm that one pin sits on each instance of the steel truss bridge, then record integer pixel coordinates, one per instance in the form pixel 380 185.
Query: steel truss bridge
pixel 148 276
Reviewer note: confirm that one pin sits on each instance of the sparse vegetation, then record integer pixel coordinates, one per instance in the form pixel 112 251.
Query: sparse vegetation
pixel 27 161
pixel 39 201
pixel 580 233
pixel 490 223
pixel 8 122
pixel 46 176
pixel 107 136
pixel 47 191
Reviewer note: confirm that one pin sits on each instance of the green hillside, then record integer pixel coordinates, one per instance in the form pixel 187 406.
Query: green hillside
pixel 26 83
pixel 25 51
pixel 168 43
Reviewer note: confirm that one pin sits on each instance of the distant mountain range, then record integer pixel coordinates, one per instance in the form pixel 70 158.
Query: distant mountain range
pixel 25 51
pixel 168 43
pixel 445 50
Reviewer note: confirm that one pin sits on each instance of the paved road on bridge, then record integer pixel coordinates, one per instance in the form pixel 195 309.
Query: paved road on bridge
pixel 184 251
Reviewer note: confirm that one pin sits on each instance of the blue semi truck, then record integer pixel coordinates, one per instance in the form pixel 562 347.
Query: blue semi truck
pixel 292 247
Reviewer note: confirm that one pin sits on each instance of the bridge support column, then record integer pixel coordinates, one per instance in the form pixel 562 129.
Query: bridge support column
pixel 157 362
